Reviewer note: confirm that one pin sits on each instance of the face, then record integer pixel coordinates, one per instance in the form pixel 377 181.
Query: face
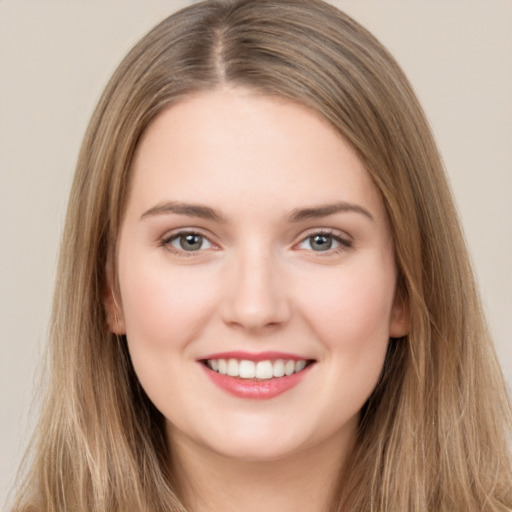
pixel 256 276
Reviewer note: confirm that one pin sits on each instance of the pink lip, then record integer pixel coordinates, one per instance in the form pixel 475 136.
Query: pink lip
pixel 255 389
pixel 260 356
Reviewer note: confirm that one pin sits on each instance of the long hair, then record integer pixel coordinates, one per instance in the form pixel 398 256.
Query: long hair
pixel 433 435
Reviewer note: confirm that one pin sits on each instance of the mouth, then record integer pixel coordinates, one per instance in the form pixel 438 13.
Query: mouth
pixel 266 369
pixel 256 376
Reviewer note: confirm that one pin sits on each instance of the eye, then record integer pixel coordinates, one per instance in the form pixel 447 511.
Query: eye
pixel 323 242
pixel 188 241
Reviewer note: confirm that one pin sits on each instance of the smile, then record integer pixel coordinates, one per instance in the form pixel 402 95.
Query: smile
pixel 256 376
pixel 261 370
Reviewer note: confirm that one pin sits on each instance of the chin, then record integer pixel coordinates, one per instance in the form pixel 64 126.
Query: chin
pixel 254 438
pixel 258 450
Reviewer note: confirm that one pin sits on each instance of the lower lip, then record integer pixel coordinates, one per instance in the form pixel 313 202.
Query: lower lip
pixel 256 389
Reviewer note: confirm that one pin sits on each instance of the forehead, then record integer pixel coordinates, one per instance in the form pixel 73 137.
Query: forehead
pixel 234 145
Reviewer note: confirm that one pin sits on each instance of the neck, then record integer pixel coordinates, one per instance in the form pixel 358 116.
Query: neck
pixel 301 482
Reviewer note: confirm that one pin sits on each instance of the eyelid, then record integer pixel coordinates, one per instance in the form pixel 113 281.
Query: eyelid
pixel 166 240
pixel 204 240
pixel 343 238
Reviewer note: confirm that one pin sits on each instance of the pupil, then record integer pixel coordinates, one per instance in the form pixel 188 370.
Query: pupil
pixel 191 242
pixel 321 243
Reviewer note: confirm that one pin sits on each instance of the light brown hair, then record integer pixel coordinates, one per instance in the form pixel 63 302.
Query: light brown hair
pixel 433 436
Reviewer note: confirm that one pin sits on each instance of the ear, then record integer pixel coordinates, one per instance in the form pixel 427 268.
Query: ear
pixel 399 321
pixel 112 302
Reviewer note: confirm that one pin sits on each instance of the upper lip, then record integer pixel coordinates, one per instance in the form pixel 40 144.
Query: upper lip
pixel 256 356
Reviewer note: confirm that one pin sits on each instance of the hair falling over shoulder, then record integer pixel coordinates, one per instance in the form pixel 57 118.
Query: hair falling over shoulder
pixel 434 436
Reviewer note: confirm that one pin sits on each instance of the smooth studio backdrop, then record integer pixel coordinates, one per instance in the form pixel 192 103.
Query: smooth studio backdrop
pixel 55 59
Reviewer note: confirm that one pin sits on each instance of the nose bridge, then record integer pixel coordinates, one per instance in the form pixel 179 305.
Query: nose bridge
pixel 256 297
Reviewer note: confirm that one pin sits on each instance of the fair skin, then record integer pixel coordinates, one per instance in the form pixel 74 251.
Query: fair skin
pixel 253 231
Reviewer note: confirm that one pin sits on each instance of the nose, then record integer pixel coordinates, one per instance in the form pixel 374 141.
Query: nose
pixel 255 296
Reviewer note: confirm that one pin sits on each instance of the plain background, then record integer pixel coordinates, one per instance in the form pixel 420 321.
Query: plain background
pixel 55 58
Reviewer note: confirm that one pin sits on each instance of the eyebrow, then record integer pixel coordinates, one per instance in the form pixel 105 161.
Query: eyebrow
pixel 190 210
pixel 297 215
pixel 325 210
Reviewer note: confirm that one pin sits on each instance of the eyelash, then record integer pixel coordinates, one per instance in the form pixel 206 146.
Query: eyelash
pixel 166 242
pixel 344 243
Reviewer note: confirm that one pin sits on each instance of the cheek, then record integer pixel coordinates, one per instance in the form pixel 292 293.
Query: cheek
pixel 347 310
pixel 165 309
pixel 351 312
pixel 163 305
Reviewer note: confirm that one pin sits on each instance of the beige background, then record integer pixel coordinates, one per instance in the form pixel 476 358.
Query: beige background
pixel 55 57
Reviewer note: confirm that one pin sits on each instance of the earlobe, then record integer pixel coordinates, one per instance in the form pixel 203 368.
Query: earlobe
pixel 112 304
pixel 399 323
pixel 115 318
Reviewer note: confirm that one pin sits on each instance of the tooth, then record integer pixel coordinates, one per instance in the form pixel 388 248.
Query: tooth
pixel 300 365
pixel 247 369
pixel 278 368
pixel 264 370
pixel 289 367
pixel 223 366
pixel 232 367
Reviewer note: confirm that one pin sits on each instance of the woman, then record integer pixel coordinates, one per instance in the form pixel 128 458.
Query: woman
pixel 264 298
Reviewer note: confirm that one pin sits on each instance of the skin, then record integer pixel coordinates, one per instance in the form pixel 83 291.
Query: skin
pixel 257 283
